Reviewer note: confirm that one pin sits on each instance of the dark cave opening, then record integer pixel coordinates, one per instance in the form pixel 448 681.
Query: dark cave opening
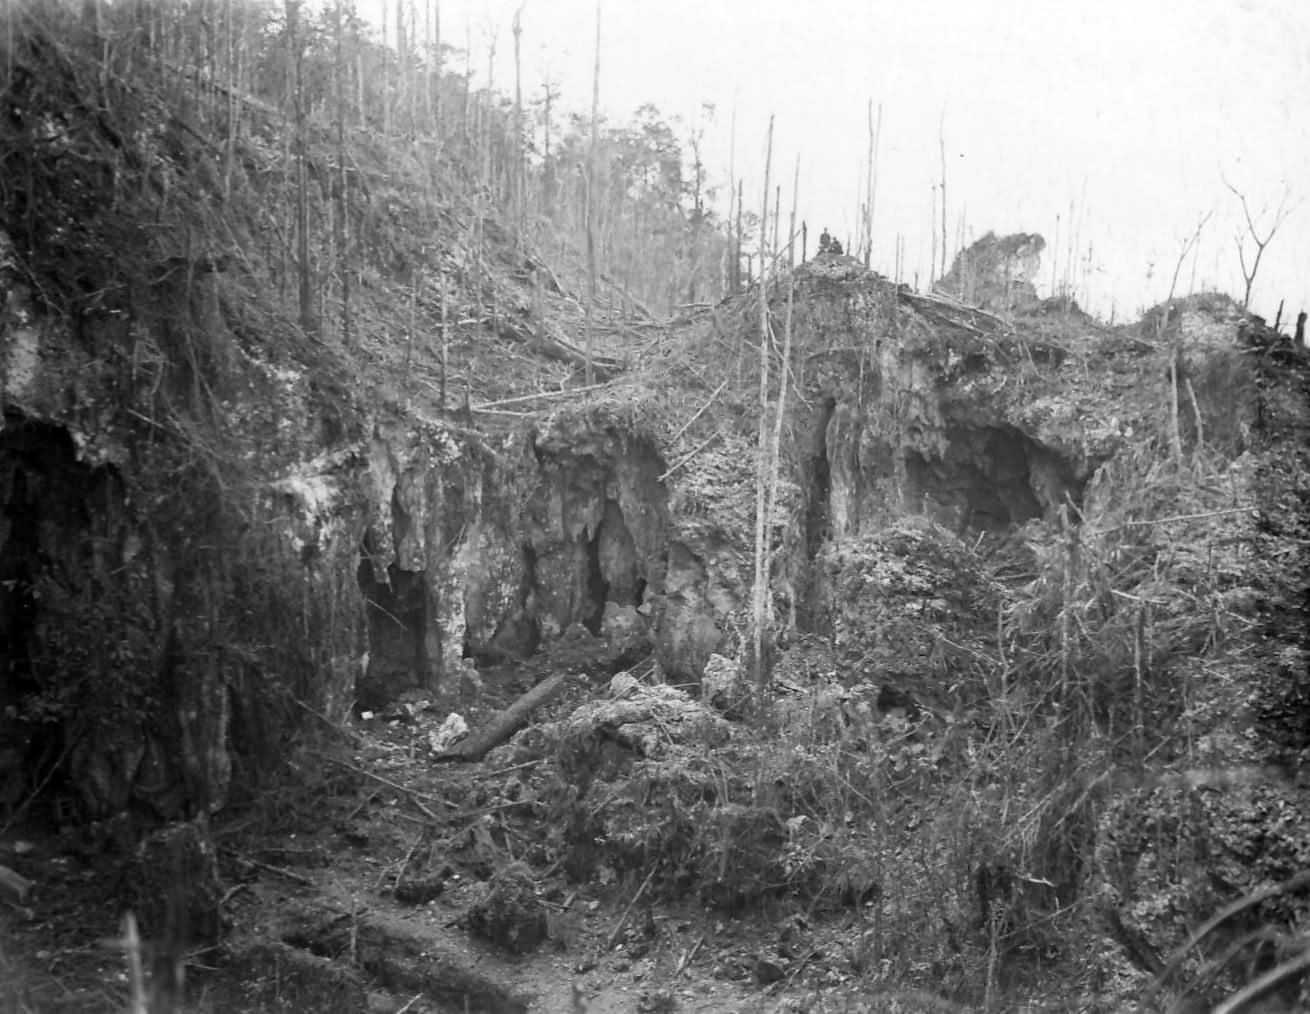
pixel 816 526
pixel 989 479
pixel 64 550
pixel 818 481
pixel 532 625
pixel 403 646
pixel 598 589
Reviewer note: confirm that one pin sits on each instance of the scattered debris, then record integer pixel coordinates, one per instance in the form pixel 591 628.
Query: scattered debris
pixel 451 731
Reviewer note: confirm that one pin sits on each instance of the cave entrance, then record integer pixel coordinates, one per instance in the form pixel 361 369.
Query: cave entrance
pixel 67 607
pixel 598 590
pixel 818 481
pixel 613 574
pixel 989 479
pixel 404 640
pixel 531 625
pixel 817 525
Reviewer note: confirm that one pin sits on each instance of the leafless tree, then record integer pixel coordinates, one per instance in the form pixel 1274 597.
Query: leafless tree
pixel 1176 353
pixel 784 377
pixel 342 181
pixel 520 183
pixel 1249 271
pixel 592 181
pixel 932 232
pixel 875 134
pixel 941 143
pixel 760 588
pixel 304 272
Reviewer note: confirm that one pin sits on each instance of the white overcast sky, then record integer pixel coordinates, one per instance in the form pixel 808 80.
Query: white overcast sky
pixel 1133 111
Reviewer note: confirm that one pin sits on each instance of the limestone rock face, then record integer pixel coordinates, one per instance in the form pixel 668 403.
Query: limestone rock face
pixel 703 590
pixel 347 553
pixel 721 685
pixel 492 551
pixel 158 590
pixel 997 273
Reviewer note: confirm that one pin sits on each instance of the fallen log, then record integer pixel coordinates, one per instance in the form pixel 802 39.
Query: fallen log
pixel 508 722
pixel 539 396
pixel 554 346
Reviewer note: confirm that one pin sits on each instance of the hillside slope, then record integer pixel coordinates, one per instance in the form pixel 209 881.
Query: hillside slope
pixel 1038 700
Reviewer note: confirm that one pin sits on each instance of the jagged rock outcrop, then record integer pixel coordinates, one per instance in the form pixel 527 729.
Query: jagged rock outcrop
pixel 158 571
pixel 355 552
pixel 997 273
pixel 322 553
pixel 488 552
pixel 907 410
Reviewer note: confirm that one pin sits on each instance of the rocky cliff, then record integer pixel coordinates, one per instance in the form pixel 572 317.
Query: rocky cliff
pixel 224 523
pixel 304 544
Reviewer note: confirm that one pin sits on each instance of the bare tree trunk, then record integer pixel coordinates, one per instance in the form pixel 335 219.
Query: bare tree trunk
pixel 866 232
pixel 853 249
pixel 438 60
pixel 402 64
pixel 413 321
pixel 465 125
pixel 305 287
pixel 795 197
pixel 343 183
pixel 427 72
pixel 1087 276
pixel 308 319
pixel 415 68
pixel 549 179
pixel 784 375
pixel 1068 256
pixel 485 134
pixel 359 87
pixel 229 148
pixel 874 143
pixel 932 261
pixel 520 182
pixel 1055 260
pixel 1075 241
pixel 386 79
pixel 1176 348
pixel 591 202
pixel 736 261
pixel 733 254
pixel 777 217
pixel 445 336
pixel 941 142
pixel 760 588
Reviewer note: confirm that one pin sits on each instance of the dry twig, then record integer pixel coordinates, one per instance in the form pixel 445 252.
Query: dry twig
pixel 413 796
pixel 614 935
pixel 690 455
